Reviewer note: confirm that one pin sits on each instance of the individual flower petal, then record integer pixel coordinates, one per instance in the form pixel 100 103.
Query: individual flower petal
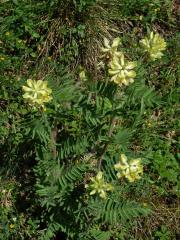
pixel 115 79
pixel 99 175
pixel 106 43
pixel 109 187
pixel 131 80
pixel 116 42
pixel 30 83
pixel 119 175
pixel 131 74
pixel 117 166
pixel 131 65
pixel 151 35
pixel 105 50
pixel 124 159
pixel 92 192
pixel 26 89
pixel 113 72
pixel 26 95
pixel 122 60
pixel 103 194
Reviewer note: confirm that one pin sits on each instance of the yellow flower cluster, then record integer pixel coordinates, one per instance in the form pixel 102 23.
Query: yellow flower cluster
pixel 121 71
pixel 110 51
pixel 37 93
pixel 131 170
pixel 154 45
pixel 98 185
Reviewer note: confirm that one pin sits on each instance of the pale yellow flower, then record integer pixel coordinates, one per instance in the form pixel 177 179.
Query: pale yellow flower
pixel 111 50
pixel 122 72
pixel 49 58
pixel 7 33
pixel 37 93
pixel 99 186
pixel 132 170
pixel 122 164
pixel 154 45
pixel 82 74
pixel 2 58
pixel 135 170
pixel 11 226
pixel 145 204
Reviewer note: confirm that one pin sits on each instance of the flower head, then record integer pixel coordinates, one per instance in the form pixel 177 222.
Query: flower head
pixel 122 72
pixel 122 164
pixel 111 50
pixel 37 93
pixel 11 226
pixel 49 58
pixel 154 45
pixel 135 170
pixel 132 170
pixel 7 33
pixel 98 185
pixel 2 58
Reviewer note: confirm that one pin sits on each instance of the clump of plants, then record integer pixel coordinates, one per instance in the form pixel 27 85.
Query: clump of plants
pixel 80 146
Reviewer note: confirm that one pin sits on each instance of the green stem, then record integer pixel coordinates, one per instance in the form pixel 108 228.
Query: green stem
pixel 111 129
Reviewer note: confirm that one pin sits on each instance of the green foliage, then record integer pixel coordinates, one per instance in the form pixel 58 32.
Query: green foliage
pixel 167 166
pixel 13 223
pixel 113 211
pixel 100 235
pixel 48 158
pixel 163 234
pixel 82 5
